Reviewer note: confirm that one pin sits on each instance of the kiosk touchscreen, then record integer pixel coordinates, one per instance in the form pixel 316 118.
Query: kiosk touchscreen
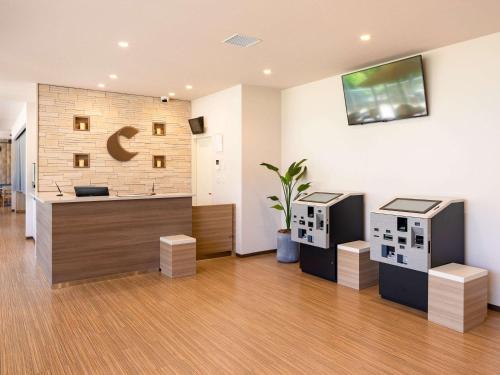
pixel 321 221
pixel 408 236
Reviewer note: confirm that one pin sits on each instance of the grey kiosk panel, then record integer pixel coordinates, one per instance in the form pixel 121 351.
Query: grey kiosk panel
pixel 405 246
pixel 311 219
pixel 417 233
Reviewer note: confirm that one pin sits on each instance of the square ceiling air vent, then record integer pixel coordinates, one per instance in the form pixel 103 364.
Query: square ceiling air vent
pixel 241 40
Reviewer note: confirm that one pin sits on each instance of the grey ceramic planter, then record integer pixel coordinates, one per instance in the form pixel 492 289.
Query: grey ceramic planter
pixel 287 250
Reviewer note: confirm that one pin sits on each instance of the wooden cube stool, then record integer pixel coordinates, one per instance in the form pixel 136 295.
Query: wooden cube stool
pixel 354 267
pixel 178 255
pixel 458 296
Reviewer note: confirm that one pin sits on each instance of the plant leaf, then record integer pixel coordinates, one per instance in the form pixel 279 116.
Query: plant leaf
pixel 300 190
pixel 303 187
pixel 278 207
pixel 302 174
pixel 294 169
pixel 297 168
pixel 300 162
pixel 270 166
pixel 273 198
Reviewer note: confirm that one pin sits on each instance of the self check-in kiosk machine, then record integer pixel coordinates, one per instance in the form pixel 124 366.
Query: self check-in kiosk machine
pixel 321 221
pixel 408 236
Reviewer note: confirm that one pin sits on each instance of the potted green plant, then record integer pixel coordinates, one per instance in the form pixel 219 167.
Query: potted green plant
pixel 287 250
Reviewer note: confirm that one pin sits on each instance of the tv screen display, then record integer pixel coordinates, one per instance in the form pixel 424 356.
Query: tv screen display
pixel 196 125
pixel 386 92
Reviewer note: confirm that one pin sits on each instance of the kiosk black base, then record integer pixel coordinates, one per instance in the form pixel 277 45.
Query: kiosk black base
pixel 403 285
pixel 318 261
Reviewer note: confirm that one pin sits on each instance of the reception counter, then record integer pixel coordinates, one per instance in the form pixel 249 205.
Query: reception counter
pixel 94 237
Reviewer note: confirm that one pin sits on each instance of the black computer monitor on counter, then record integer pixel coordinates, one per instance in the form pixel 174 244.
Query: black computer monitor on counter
pixel 91 191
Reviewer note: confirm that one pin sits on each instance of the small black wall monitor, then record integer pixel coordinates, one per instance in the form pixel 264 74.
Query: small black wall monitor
pixel 91 191
pixel 197 125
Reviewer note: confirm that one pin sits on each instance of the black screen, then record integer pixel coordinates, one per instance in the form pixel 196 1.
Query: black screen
pixel 91 191
pixel 197 125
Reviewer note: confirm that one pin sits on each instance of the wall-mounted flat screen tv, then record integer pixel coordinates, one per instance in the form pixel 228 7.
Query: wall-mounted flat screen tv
pixel 197 125
pixel 386 92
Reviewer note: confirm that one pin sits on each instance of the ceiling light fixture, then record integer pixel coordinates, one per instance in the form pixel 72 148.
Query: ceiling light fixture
pixel 365 37
pixel 189 87
pixel 267 72
pixel 113 76
pixel 123 44
pixel 101 85
pixel 171 94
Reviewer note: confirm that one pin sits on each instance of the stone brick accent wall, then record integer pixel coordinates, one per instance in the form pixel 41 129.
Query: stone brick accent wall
pixel 57 141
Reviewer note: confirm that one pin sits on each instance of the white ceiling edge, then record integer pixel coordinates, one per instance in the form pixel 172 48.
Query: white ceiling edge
pixel 4 134
pixel 20 91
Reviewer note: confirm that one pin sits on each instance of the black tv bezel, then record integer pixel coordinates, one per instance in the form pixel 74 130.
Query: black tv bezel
pixel 201 121
pixel 396 119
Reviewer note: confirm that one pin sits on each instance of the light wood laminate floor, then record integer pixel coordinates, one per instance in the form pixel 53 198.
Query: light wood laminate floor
pixel 236 316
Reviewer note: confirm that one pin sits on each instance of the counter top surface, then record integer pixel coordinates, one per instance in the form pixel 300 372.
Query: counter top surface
pixel 51 197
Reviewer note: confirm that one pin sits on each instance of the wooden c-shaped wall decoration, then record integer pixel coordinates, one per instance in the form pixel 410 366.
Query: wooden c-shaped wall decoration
pixel 114 147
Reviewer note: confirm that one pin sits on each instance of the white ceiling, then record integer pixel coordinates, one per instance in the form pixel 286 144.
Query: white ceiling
pixel 9 110
pixel 178 42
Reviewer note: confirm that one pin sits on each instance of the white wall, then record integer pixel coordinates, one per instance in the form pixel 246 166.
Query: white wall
pixel 453 152
pixel 248 118
pixel 261 143
pixel 31 157
pixel 20 122
pixel 222 115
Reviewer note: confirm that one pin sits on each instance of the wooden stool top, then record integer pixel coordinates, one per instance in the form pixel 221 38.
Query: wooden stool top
pixel 458 272
pixel 357 247
pixel 179 239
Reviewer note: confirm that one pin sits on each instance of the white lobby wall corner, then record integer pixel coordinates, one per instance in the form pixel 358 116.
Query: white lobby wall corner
pixel 444 154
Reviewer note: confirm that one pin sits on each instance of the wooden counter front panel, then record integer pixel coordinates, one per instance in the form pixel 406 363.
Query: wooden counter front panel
pixel 95 239
pixel 213 228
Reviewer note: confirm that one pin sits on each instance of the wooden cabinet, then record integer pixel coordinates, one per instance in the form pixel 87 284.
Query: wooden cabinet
pixel 213 228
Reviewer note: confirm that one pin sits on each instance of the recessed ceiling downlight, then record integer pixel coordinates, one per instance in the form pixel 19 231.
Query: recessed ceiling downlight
pixel 101 85
pixel 189 87
pixel 113 76
pixel 123 44
pixel 267 72
pixel 242 40
pixel 171 94
pixel 365 37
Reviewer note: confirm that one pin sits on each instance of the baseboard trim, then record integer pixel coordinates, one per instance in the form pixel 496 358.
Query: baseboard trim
pixel 493 307
pixel 256 253
pixel 214 255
